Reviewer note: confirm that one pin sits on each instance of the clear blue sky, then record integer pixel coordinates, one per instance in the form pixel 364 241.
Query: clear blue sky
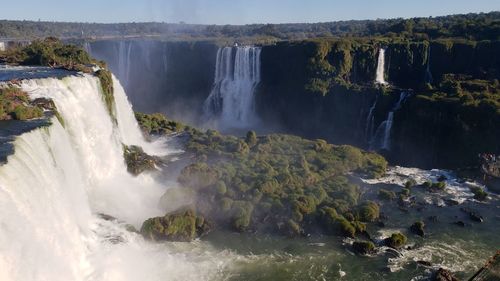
pixel 234 11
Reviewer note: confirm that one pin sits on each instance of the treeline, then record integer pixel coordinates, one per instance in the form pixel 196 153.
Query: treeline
pixel 482 26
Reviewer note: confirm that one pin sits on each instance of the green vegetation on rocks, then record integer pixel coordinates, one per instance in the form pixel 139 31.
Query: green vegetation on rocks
pixel 183 226
pixel 363 247
pixel 275 183
pixel 15 104
pixel 396 240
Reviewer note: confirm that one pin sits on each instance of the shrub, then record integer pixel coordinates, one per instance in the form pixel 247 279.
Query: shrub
pixel 386 194
pixel 369 211
pixel 397 240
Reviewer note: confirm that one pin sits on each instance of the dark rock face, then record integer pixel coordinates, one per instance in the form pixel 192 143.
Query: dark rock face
pixel 473 215
pixel 418 228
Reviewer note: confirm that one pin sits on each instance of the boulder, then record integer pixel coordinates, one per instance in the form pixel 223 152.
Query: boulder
pixel 443 275
pixel 182 226
pixel 418 228
pixel 363 247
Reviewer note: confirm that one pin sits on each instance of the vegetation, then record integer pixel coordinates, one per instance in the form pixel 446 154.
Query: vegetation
pixel 274 183
pixel 386 194
pixel 54 53
pixel 472 26
pixel 179 226
pixel 397 240
pixel 158 124
pixel 363 247
pixel 137 160
pixel 49 52
pixel 418 228
pixel 479 193
pixel 15 104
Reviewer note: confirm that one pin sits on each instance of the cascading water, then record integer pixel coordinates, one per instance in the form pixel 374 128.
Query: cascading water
pixel 370 120
pixel 231 101
pixel 60 178
pixel 428 73
pixel 2 46
pixel 382 137
pixel 380 75
pixel 124 50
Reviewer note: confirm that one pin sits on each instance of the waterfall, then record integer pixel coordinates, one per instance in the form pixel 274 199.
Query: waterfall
pixel 370 119
pixel 428 74
pixel 380 78
pixel 2 46
pixel 87 47
pixel 382 137
pixel 237 73
pixel 124 51
pixel 60 178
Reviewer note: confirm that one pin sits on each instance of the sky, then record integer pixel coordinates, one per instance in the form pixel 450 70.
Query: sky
pixel 234 11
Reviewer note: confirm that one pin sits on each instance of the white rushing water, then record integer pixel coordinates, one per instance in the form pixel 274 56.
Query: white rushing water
pixel 382 137
pixel 380 74
pixel 123 61
pixel 60 178
pixel 231 101
pixel 2 46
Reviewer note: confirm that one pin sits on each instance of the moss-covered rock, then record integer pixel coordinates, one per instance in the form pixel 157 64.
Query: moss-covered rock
pixel 183 226
pixel 418 228
pixel 363 247
pixel 396 240
pixel 15 104
pixel 138 161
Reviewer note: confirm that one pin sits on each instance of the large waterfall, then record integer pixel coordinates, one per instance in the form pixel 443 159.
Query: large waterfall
pixel 382 137
pixel 380 75
pixel 231 101
pixel 61 178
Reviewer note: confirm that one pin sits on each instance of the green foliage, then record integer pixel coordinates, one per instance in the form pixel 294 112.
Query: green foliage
pixel 181 226
pixel 251 138
pixel 158 124
pixel 363 247
pixel 479 193
pixel 273 179
pixel 49 52
pixel 15 104
pixel 386 194
pixel 369 211
pixel 137 160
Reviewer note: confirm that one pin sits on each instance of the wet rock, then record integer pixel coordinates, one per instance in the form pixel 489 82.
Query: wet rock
pixel 138 161
pixel 418 228
pixel 442 178
pixel 473 215
pixel 460 223
pixel 396 241
pixel 443 275
pixel 451 202
pixel 425 263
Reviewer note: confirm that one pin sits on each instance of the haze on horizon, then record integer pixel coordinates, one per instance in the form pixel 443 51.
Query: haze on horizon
pixel 235 11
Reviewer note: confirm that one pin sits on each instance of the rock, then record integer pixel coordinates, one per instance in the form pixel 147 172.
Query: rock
pixel 138 161
pixel 460 223
pixel 443 275
pixel 425 263
pixel 473 215
pixel 451 202
pixel 418 228
pixel 363 247
pixel 183 226
pixel 396 241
